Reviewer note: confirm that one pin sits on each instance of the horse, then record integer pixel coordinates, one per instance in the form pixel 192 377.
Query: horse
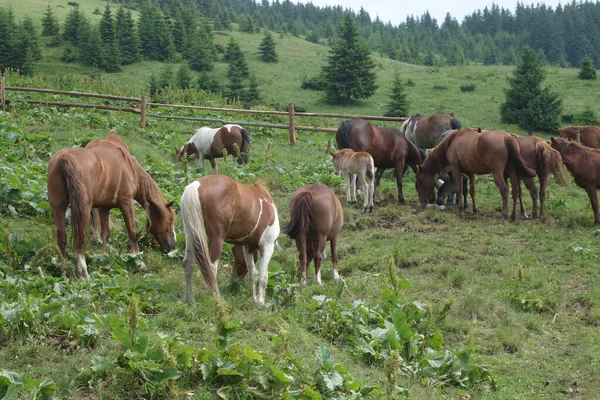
pixel 217 209
pixel 388 147
pixel 540 156
pixel 446 186
pixel 425 131
pixel 104 175
pixel 587 135
pixel 584 164
pixel 359 164
pixel 472 152
pixel 210 143
pixel 316 217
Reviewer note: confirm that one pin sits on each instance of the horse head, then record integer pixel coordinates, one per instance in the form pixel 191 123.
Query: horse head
pixel 425 183
pixel 336 158
pixel 161 218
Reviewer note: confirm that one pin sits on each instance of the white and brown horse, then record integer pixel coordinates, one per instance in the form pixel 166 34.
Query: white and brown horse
pixel 217 209
pixel 356 166
pixel 209 143
pixel 425 131
pixel 316 217
pixel 104 175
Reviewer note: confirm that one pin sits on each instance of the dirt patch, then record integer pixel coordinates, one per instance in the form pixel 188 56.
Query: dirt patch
pixel 406 264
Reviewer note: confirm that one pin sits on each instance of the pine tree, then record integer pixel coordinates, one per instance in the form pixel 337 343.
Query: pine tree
pixel 50 26
pixel 127 37
pixel 111 57
pixel 398 105
pixel 527 104
pixel 252 95
pixel 165 80
pixel 184 77
pixel 74 24
pixel 235 87
pixel 350 71
pixel 154 33
pixel 90 47
pixel 266 50
pixel 153 84
pixel 587 70
pixel 236 60
pixel 8 39
pixel 208 83
pixel 201 53
pixel 107 26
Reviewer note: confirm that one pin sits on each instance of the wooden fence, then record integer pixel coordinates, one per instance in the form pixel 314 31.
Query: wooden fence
pixel 142 107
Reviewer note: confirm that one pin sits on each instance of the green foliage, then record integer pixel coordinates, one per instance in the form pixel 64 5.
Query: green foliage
pixel 76 21
pixel 350 70
pixel 50 26
pixel 127 37
pixel 184 77
pixel 468 88
pixel 208 83
pixel 266 50
pixel 587 71
pixel 201 53
pixel 157 43
pixel 398 105
pixel 13 383
pixel 527 104
pixel 19 47
pixel 587 118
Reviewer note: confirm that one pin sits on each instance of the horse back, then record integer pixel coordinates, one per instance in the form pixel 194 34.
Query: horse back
pixel 227 137
pixel 355 134
pixel 322 207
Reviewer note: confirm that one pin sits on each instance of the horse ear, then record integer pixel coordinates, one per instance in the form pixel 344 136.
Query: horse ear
pixel 452 115
pixel 479 130
pixel 552 139
pixel 332 154
pixel 170 204
pixel 419 168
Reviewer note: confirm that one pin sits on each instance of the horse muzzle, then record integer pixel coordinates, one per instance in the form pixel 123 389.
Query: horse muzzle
pixel 168 246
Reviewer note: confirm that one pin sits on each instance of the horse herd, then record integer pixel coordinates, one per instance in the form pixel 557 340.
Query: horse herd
pixel 217 209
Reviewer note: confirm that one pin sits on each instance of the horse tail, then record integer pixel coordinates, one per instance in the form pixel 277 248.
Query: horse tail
pixel 455 124
pixel 301 215
pixel 370 169
pixel 195 231
pixel 344 135
pixel 245 145
pixel 552 161
pixel 514 156
pixel 77 196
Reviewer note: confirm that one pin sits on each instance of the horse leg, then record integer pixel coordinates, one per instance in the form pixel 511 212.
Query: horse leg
pixel 213 164
pixel 399 172
pixel 371 189
pixel 201 159
pixel 103 215
pixel 378 175
pixel 79 240
pixel 530 185
pixel 61 233
pixel 459 189
pixel 318 249
pixel 515 184
pixel 472 182
pixel 543 176
pixel 301 245
pixel 334 258
pixel 348 184
pixel 128 216
pixel 591 191
pixel 501 184
pixel 353 181
pixel 365 190
pixel 266 252
pixel 96 228
pixel 465 184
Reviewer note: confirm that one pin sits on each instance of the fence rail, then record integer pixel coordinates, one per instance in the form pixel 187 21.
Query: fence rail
pixel 142 106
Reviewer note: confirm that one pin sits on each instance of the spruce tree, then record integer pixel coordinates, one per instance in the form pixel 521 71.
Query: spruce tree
pixel 398 105
pixel 90 47
pixel 201 53
pixel 107 26
pixel 50 26
pixel 153 84
pixel 587 70
pixel 127 37
pixel 165 80
pixel 208 83
pixel 527 104
pixel 154 33
pixel 236 60
pixel 184 77
pixel 350 71
pixel 266 50
pixel 74 24
pixel 252 94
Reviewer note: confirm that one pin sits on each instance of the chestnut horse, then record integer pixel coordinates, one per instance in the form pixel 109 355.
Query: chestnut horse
pixel 388 147
pixel 104 175
pixel 474 152
pixel 538 154
pixel 586 135
pixel 209 143
pixel 236 213
pixel 584 163
pixel 425 131
pixel 357 164
pixel 316 217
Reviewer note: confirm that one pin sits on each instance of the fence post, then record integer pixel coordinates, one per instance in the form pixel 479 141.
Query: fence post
pixel 3 93
pixel 292 125
pixel 143 112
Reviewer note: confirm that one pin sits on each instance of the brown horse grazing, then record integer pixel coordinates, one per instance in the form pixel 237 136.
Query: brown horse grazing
pixel 388 147
pixel 473 152
pixel 538 154
pixel 586 135
pixel 584 165
pixel 316 217
pixel 105 175
pixel 425 131
pixel 236 213
pixel 209 143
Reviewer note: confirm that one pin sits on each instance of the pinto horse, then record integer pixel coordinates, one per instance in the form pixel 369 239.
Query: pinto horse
pixel 357 164
pixel 316 217
pixel 584 164
pixel 586 135
pixel 474 152
pixel 104 175
pixel 209 143
pixel 538 154
pixel 425 131
pixel 243 215
pixel 388 147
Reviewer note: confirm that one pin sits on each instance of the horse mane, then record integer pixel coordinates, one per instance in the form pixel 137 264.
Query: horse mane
pixel 568 147
pixel 437 159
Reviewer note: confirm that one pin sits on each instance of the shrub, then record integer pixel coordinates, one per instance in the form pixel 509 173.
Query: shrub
pixel 468 88
pixel 440 87
pixel 314 83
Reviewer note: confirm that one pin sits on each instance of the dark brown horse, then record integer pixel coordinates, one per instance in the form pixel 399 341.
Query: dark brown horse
pixel 425 131
pixel 584 163
pixel 209 143
pixel 104 175
pixel 586 135
pixel 388 147
pixel 538 154
pixel 471 152
pixel 243 215
pixel 316 217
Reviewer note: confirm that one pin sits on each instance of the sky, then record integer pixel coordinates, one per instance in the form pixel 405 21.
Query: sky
pixel 396 11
